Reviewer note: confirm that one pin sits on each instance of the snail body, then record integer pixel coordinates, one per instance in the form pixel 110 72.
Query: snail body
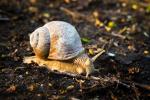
pixel 57 46
pixel 70 66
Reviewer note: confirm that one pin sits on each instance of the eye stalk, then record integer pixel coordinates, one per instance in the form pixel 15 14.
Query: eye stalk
pixel 97 55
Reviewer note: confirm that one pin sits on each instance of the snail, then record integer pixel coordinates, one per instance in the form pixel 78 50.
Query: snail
pixel 57 46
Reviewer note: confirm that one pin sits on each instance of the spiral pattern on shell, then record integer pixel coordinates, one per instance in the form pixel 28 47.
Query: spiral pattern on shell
pixel 40 42
pixel 56 40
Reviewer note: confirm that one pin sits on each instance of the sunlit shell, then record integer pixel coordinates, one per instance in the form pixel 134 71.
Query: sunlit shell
pixel 63 39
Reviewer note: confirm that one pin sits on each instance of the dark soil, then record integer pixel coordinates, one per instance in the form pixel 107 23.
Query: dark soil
pixel 121 27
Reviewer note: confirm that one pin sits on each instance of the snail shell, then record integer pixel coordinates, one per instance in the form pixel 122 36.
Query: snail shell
pixel 56 40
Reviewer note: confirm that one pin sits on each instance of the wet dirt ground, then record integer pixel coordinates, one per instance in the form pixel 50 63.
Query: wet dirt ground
pixel 120 27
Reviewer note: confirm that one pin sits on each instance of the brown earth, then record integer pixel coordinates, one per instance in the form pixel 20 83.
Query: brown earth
pixel 121 27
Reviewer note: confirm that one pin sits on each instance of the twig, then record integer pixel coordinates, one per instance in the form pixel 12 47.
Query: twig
pixel 77 15
pixel 105 79
pixel 101 80
pixel 111 12
pixel 124 84
pixel 4 19
pixel 118 35
pixel 136 92
pixel 5 12
pixel 144 86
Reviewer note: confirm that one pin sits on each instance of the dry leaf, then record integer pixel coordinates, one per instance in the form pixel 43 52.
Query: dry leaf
pixel 11 89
